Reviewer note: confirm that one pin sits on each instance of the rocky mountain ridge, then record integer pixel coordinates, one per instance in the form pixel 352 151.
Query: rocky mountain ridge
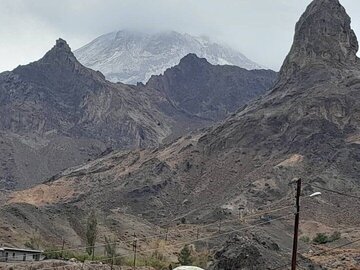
pixel 193 85
pixel 58 114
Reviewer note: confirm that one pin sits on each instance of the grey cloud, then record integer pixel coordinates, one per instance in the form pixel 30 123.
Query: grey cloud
pixel 261 29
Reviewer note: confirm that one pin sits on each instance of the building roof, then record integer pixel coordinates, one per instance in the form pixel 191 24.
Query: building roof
pixel 188 268
pixel 20 249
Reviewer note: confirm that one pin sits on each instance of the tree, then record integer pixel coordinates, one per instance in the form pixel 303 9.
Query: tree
pixel 110 250
pixel 91 233
pixel 34 241
pixel 184 257
pixel 110 247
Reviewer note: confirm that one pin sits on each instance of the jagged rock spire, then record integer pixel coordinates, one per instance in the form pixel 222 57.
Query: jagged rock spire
pixel 60 52
pixel 322 35
pixel 62 44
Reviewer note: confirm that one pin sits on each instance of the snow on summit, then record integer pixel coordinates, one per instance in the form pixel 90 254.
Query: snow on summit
pixel 131 57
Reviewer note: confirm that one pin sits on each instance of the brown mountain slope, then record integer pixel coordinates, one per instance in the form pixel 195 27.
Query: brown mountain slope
pixel 307 126
pixel 55 113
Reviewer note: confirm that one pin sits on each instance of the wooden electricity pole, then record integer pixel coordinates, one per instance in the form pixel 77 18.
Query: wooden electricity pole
pixel 296 226
pixel 62 247
pixel 135 247
pixel 112 256
pixel 166 234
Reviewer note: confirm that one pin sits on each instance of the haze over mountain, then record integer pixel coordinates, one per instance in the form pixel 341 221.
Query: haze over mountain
pixel 57 113
pixel 132 56
pixel 307 126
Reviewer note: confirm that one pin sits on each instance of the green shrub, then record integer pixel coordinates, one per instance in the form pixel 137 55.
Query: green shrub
pixel 335 236
pixel 201 259
pixel 322 238
pixel 305 238
pixel 184 257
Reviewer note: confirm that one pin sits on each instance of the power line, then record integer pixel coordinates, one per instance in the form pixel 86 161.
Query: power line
pixel 341 246
pixel 336 192
pixel 178 231
pixel 320 253
pixel 200 239
pixel 215 235
pixel 190 229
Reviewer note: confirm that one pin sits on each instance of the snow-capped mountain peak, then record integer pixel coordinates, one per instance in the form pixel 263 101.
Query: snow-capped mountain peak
pixel 131 57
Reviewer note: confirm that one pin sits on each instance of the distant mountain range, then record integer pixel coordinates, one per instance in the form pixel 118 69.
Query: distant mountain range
pixel 131 57
pixel 56 113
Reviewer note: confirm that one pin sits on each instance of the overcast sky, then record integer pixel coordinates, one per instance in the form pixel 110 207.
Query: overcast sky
pixel 261 29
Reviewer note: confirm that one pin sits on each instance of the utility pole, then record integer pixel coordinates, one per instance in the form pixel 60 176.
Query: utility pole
pixel 112 256
pixel 296 226
pixel 197 234
pixel 241 213
pixel 166 234
pixel 134 247
pixel 62 247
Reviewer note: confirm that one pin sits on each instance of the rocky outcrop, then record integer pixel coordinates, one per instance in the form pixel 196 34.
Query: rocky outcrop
pixel 211 92
pixel 323 36
pixel 254 252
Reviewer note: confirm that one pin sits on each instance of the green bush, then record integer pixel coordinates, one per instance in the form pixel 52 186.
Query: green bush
pixel 335 236
pixel 201 259
pixel 184 257
pixel 322 238
pixel 305 238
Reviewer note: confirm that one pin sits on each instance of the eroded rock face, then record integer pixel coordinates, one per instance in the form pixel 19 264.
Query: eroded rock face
pixel 323 36
pixel 211 92
pixel 56 113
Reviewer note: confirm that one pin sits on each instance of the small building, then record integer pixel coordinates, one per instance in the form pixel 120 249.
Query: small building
pixel 188 268
pixel 8 254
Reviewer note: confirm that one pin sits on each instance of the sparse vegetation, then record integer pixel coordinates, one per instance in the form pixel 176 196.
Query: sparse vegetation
pixel 305 238
pixel 34 242
pixel 91 233
pixel 335 236
pixel 322 238
pixel 201 259
pixel 184 257
pixel 110 251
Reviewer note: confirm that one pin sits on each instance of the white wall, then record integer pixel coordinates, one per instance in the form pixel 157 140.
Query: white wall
pixel 18 256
